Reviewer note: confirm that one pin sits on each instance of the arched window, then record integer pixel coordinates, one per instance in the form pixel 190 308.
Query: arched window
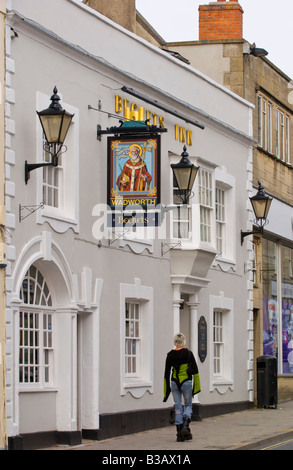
pixel 35 330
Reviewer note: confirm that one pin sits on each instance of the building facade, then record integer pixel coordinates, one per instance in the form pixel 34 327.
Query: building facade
pixel 3 430
pixel 245 69
pixel 92 305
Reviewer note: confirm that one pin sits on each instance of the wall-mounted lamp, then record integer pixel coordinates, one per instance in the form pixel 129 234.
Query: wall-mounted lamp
pixel 55 122
pixel 184 173
pixel 261 204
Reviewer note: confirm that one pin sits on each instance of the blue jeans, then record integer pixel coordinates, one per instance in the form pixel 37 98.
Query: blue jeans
pixel 186 392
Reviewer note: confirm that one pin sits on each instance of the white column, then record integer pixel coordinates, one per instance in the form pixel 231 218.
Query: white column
pixel 177 301
pixel 193 306
pixel 89 374
pixel 66 369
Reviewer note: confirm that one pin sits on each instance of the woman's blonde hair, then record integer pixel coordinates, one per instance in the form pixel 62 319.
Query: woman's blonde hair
pixel 179 340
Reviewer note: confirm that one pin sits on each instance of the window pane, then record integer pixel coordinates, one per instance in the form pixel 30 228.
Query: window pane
pixel 287 309
pixel 35 330
pixel 181 216
pixel 132 337
pixel 270 302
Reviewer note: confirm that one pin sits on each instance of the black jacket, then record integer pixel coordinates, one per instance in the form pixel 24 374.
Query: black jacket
pixel 184 368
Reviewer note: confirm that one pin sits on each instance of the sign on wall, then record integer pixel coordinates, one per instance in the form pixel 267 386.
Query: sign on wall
pixel 202 339
pixel 133 172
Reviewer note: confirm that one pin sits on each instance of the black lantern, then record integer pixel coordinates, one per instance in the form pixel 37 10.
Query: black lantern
pixel 261 204
pixel 184 174
pixel 55 122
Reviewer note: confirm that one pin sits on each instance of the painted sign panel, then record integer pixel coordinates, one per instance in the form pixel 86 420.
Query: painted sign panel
pixel 133 172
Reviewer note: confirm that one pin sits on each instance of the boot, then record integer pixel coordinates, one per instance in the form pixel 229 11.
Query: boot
pixel 185 431
pixel 179 435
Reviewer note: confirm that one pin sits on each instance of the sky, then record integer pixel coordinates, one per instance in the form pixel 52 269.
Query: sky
pixel 268 23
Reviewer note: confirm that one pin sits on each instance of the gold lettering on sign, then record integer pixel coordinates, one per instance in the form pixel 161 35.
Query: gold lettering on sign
pixel 189 137
pixel 183 135
pixel 132 112
pixel 118 104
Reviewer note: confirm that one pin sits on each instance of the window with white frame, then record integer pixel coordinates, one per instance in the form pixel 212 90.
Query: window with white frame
pixel 218 342
pixel 222 345
pixel 270 128
pixel 220 221
pixel 273 132
pixel 181 215
pixel 264 123
pixel 205 184
pixel 282 136
pixel 132 339
pixel 136 339
pixel 225 203
pixel 52 181
pixel 58 187
pixel 35 331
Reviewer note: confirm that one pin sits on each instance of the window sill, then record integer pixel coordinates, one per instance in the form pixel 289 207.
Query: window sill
pixel 57 219
pixel 38 390
pixel 136 387
pixel 222 385
pixel 224 263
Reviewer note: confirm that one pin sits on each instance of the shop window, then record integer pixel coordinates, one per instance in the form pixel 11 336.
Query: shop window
pixel 287 309
pixel 278 304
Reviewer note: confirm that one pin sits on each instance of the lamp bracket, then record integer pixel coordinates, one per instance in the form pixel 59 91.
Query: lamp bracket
pixel 260 223
pixel 245 234
pixel 29 209
pixel 170 247
pixel 28 167
pixel 184 195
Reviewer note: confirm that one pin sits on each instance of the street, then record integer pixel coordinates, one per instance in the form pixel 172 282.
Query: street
pixel 278 445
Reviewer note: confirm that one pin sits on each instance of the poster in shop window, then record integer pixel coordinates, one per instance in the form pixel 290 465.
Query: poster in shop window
pixel 133 172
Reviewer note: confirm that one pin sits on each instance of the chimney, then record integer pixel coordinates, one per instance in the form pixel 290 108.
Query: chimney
pixel 122 12
pixel 221 20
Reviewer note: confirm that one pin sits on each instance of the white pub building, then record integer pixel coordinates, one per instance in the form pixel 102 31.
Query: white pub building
pixel 105 263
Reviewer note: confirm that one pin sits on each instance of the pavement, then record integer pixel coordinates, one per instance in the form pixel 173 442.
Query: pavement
pixel 242 430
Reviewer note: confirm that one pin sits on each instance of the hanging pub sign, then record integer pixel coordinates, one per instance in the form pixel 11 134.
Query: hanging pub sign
pixel 133 173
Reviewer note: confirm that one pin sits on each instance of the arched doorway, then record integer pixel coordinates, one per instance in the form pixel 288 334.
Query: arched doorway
pixel 46 356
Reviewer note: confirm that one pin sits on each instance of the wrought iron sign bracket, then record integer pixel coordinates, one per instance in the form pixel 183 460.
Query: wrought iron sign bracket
pixel 170 246
pixel 29 209
pixel 132 128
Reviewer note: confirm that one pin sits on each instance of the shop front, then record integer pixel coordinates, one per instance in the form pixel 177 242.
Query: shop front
pixel 277 278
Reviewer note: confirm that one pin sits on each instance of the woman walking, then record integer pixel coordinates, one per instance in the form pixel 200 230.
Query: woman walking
pixel 184 383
